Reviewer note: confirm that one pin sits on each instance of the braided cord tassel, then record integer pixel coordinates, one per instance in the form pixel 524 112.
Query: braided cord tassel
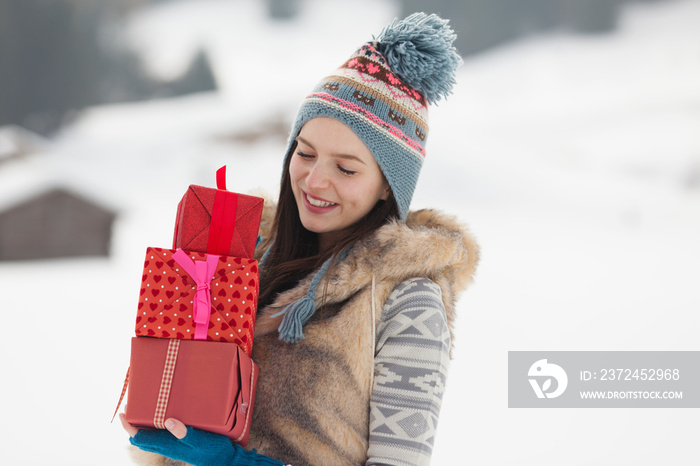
pixel 300 311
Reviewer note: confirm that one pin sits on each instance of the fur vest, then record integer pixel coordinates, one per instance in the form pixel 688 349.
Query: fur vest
pixel 312 400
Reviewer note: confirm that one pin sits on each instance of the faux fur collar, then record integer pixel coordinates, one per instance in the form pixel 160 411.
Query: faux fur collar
pixel 429 244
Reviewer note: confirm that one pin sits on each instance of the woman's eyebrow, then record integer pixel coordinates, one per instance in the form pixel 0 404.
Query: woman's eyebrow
pixel 301 139
pixel 350 157
pixel 341 156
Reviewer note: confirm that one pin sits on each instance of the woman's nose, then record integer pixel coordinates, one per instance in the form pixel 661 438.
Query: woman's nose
pixel 317 177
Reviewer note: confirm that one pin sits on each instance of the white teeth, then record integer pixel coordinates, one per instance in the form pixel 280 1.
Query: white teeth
pixel 317 203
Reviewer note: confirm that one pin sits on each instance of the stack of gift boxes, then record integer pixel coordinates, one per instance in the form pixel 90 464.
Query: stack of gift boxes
pixel 190 358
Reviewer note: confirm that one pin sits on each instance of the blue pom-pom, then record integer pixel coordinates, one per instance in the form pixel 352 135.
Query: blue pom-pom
pixel 419 50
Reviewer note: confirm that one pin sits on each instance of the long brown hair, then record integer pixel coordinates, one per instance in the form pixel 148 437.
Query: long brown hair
pixel 294 249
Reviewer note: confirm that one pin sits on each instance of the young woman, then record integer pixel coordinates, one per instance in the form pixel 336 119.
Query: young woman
pixel 354 326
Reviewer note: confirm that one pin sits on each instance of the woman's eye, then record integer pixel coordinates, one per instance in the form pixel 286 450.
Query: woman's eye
pixel 304 156
pixel 346 172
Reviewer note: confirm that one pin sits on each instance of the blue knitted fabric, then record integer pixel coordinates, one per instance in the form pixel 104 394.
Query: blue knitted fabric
pixel 370 94
pixel 199 448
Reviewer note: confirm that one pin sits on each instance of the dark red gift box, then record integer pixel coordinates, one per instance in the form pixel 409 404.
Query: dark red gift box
pixel 217 221
pixel 210 385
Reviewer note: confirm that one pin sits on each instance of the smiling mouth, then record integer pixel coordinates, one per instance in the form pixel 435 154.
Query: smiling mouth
pixel 317 202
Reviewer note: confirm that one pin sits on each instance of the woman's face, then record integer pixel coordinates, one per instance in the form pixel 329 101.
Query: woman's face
pixel 335 179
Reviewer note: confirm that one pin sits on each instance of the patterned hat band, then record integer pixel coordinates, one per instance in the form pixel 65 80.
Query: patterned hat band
pixel 365 84
pixel 387 119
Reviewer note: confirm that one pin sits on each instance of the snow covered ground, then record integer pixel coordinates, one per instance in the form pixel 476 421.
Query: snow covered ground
pixel 574 159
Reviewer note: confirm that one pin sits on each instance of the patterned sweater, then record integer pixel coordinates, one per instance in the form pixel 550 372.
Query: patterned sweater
pixel 410 369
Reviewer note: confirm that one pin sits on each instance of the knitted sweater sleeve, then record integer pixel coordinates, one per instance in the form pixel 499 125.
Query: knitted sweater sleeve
pixel 410 366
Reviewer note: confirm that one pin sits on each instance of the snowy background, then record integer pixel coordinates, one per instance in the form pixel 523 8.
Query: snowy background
pixel 575 160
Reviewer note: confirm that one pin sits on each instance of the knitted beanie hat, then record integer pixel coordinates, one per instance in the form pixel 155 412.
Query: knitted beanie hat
pixel 382 93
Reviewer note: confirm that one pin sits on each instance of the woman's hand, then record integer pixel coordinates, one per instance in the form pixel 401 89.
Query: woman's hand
pixel 177 428
pixel 131 430
pixel 193 446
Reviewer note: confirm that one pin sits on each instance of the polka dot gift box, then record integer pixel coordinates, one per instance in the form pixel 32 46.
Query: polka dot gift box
pixel 196 296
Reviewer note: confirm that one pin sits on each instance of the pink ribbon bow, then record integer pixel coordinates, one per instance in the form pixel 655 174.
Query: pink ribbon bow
pixel 202 272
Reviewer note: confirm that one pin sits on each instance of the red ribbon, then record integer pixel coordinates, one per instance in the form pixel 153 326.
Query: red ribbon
pixel 221 178
pixel 202 272
pixel 223 217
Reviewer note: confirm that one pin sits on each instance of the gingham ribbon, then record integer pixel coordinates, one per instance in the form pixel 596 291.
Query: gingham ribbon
pixel 121 398
pixel 166 383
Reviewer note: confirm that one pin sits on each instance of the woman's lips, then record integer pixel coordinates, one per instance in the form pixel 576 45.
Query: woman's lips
pixel 323 206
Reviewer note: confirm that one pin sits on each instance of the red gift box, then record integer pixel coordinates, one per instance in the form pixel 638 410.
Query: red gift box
pixel 191 295
pixel 208 385
pixel 217 221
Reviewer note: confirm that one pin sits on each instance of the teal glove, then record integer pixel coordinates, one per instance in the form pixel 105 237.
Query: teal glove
pixel 199 448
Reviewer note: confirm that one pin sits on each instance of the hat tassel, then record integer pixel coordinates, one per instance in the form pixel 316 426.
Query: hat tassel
pixel 295 316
